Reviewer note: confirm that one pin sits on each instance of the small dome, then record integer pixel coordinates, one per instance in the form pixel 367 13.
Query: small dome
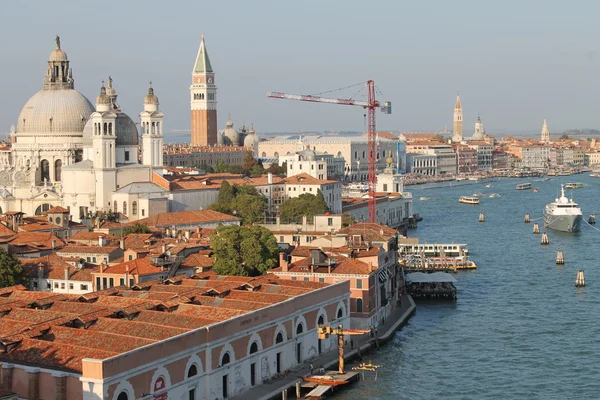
pixel 102 98
pixel 220 140
pixel 308 155
pixel 57 111
pixel 58 55
pixel 251 140
pixel 231 136
pixel 151 97
pixel 125 130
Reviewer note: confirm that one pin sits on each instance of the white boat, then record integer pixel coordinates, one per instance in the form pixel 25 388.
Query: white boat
pixel 488 185
pixel 423 198
pixel 494 195
pixel 576 185
pixel 469 199
pixel 563 214
pixel 595 175
pixel 523 186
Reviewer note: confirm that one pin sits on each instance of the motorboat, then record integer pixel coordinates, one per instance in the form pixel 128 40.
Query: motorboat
pixel 469 199
pixel 576 185
pixel 523 186
pixel 563 214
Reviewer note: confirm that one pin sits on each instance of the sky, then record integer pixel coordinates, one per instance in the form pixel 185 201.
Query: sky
pixel 514 63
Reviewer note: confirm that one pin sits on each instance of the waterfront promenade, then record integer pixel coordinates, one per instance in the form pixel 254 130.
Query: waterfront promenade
pixel 362 345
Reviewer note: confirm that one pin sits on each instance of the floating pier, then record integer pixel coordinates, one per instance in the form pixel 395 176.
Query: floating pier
pixel 481 217
pixel 527 218
pixel 560 259
pixel 580 280
pixel 545 240
pixel 536 228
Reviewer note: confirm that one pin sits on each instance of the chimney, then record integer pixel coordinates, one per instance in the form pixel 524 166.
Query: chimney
pixel 278 221
pixel 127 275
pixel 270 178
pixel 102 266
pixel 66 273
pixel 187 235
pixel 122 244
pixel 101 240
pixel 283 261
pixel 40 274
pixel 53 244
pixel 198 229
pixel 304 222
pixel 164 248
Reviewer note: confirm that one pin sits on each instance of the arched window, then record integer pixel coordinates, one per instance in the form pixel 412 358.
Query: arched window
pixel 359 305
pixel 42 209
pixel 125 207
pixel 157 128
pixel 320 321
pixel 276 154
pixel 193 371
pixel 279 338
pixel 134 208
pixel 226 359
pixel 57 170
pixel 105 128
pixel 110 128
pixel 264 154
pixel 253 348
pixel 299 329
pixel 45 171
pixel 340 314
pixel 123 396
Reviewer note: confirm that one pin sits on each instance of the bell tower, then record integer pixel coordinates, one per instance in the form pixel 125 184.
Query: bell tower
pixel 58 74
pixel 457 133
pixel 152 131
pixel 203 98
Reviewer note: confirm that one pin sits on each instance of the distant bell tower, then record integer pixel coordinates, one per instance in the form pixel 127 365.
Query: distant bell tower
pixel 203 97
pixel 457 133
pixel 545 132
pixel 152 131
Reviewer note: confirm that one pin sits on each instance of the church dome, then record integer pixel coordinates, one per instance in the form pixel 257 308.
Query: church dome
pixel 58 55
pixel 308 155
pixel 251 140
pixel 55 111
pixel 150 97
pixel 231 135
pixel 102 97
pixel 125 131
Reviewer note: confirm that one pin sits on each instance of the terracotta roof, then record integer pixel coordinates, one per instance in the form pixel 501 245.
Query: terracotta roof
pixel 139 266
pixel 137 241
pixel 88 236
pixel 57 209
pixel 40 226
pixel 306 179
pixel 5 231
pixel 54 268
pixel 370 231
pixel 165 220
pixel 198 260
pixel 88 249
pixel 31 241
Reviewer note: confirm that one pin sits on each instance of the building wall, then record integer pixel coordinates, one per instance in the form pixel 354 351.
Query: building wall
pixel 136 372
pixel 62 286
pixel 204 128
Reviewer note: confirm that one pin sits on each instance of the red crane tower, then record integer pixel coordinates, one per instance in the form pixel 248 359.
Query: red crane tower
pixel 370 105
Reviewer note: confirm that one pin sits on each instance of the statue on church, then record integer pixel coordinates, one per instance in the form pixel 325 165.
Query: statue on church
pixel 57 42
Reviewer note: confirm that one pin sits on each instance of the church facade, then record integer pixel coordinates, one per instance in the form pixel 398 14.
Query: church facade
pixel 67 152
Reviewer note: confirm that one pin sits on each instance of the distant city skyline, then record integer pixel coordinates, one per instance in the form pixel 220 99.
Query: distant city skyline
pixel 513 63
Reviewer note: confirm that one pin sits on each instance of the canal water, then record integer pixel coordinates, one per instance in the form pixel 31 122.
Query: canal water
pixel 519 329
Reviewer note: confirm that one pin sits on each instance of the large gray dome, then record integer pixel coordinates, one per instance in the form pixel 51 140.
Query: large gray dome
pixel 230 135
pixel 125 130
pixel 251 140
pixel 55 111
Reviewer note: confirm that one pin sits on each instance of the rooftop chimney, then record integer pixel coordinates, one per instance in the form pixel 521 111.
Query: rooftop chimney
pixel 122 244
pixel 270 178
pixel 283 261
pixel 40 274
pixel 67 274
pixel 53 244
pixel 101 240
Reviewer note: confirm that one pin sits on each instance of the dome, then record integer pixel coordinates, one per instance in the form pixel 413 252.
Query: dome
pixel 150 97
pixel 308 155
pixel 251 140
pixel 231 135
pixel 125 130
pixel 56 111
pixel 220 140
pixel 102 98
pixel 58 55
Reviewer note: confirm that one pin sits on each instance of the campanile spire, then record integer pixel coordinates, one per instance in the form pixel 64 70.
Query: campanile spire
pixel 203 98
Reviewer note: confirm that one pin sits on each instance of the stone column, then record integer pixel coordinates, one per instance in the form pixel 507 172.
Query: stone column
pixel 34 384
pixel 60 387
pixel 7 376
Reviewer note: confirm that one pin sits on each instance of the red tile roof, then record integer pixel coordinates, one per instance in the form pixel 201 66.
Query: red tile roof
pixel 306 179
pixel 88 249
pixel 57 209
pixel 166 220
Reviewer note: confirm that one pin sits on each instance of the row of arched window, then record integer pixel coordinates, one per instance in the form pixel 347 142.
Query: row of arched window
pixel 103 129
pixel 45 171
pixel 151 127
pixel 134 208
pixel 198 96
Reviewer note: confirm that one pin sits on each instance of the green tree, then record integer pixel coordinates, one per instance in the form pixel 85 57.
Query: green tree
pixel 226 193
pixel 250 207
pixel 249 162
pixel 11 271
pixel 292 210
pixel 257 170
pixel 243 250
pixel 136 228
pixel 221 167
pixel 347 220
pixel 205 167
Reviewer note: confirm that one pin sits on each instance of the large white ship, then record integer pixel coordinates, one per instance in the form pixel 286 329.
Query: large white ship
pixel 563 215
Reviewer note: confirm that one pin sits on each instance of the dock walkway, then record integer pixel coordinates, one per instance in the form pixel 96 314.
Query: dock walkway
pixel 362 344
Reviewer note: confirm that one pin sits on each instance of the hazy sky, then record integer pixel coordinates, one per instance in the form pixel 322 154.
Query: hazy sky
pixel 513 62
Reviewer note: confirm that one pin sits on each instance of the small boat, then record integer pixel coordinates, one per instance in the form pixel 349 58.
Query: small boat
pixel 535 190
pixel 547 179
pixel 577 185
pixel 324 380
pixel 494 195
pixel 488 185
pixel 595 175
pixel 523 186
pixel 423 198
pixel 477 194
pixel 469 199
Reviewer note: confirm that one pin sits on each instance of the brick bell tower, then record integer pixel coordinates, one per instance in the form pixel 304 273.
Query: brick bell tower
pixel 203 98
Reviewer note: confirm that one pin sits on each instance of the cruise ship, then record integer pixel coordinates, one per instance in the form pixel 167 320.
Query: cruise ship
pixel 563 215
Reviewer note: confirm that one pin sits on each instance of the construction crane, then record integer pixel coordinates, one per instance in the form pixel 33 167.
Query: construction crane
pixel 325 331
pixel 370 105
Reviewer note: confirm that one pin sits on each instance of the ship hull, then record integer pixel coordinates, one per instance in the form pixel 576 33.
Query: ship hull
pixel 563 223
